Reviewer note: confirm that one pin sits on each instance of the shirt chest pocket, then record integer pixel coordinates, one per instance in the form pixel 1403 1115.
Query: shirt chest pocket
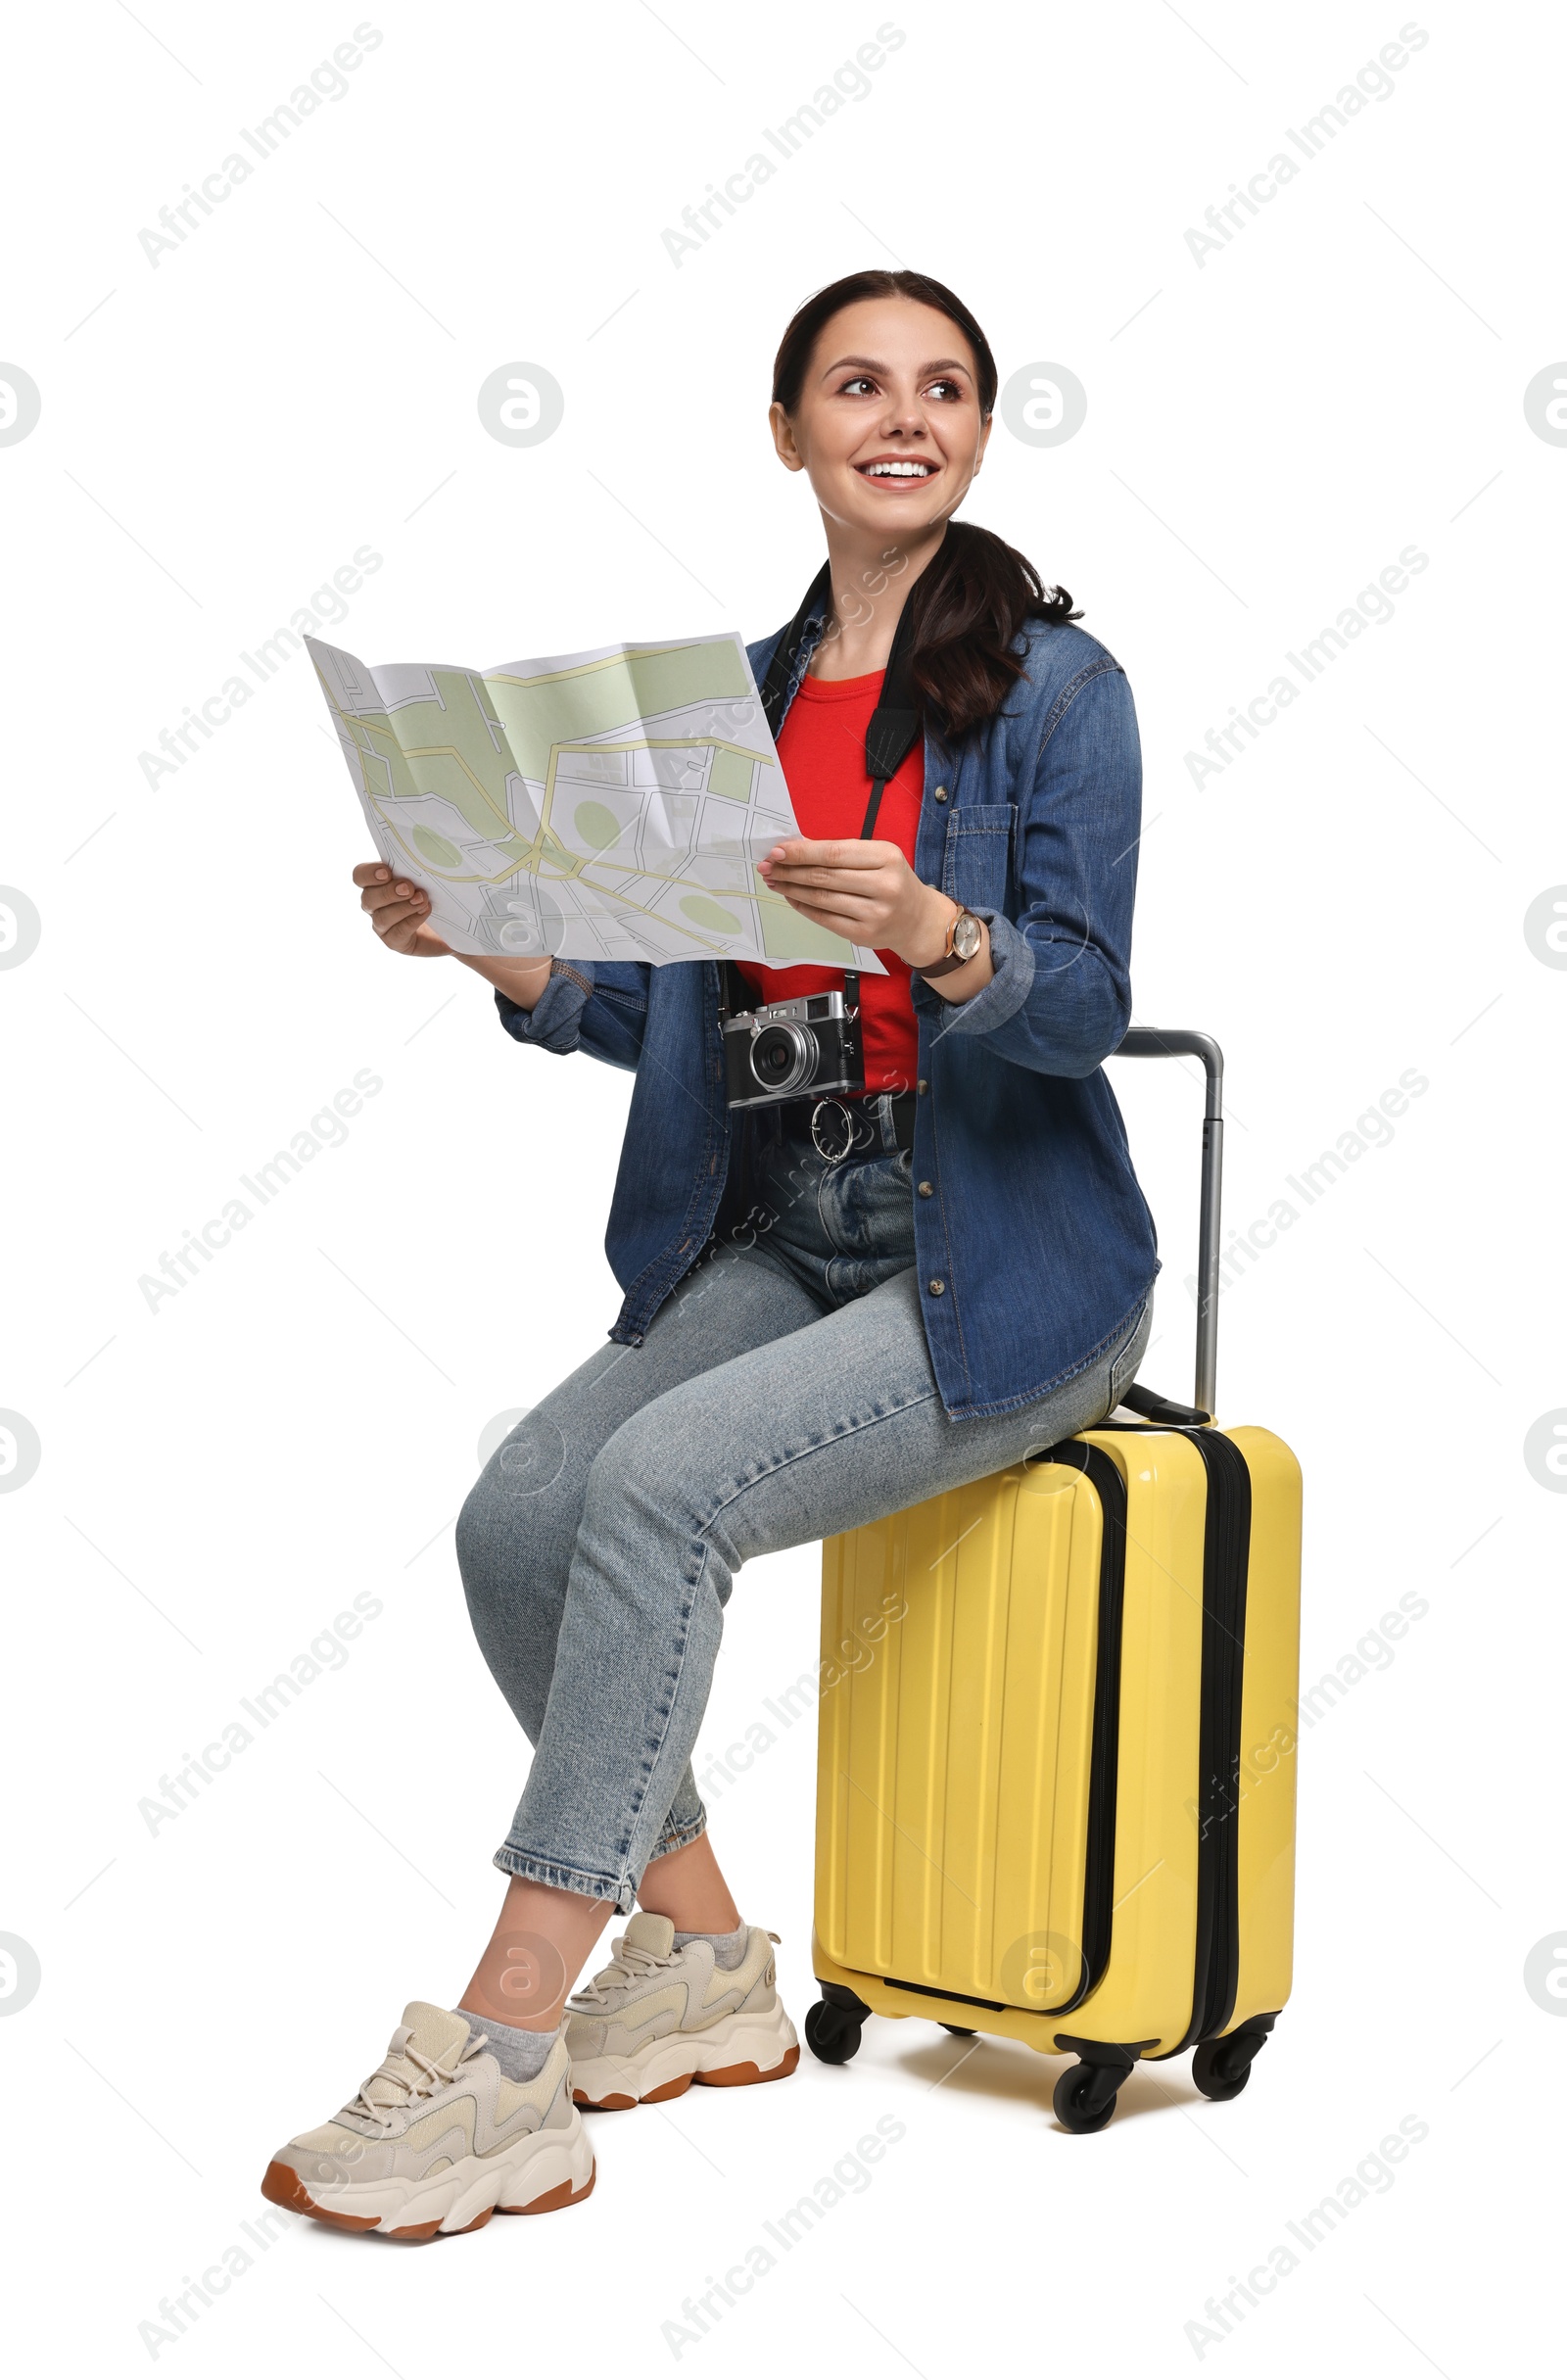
pixel 978 850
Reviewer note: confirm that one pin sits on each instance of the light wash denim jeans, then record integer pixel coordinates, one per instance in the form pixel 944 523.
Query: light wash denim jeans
pixel 783 1392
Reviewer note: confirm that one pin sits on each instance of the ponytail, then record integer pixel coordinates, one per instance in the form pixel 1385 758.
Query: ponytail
pixel 968 607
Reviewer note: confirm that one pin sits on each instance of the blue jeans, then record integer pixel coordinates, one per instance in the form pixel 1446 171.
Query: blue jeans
pixel 783 1392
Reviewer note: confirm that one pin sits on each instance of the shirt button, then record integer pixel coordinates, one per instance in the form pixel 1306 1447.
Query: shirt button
pixel 925 1190
pixel 937 1288
pixel 941 793
pixel 922 1086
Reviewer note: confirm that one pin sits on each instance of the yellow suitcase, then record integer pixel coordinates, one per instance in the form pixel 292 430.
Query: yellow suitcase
pixel 1055 1772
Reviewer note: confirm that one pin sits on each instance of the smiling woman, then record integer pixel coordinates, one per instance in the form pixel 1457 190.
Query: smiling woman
pixel 876 457
pixel 812 1337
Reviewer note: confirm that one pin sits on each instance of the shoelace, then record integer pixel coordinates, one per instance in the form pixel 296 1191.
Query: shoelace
pixel 628 1964
pixel 431 2076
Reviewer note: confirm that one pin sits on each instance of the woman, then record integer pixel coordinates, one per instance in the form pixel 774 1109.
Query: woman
pixel 953 1269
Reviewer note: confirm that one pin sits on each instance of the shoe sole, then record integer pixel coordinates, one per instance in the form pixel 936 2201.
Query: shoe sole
pixel 735 2052
pixel 460 2200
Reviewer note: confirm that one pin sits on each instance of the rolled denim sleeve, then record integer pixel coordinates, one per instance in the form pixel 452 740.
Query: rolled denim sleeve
pixel 1060 998
pixel 586 1004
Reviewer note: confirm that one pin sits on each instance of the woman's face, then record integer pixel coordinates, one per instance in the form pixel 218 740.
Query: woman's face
pixel 888 426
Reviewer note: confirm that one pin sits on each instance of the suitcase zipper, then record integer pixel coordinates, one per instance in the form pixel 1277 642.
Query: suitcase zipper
pixel 1226 1548
pixel 1099 1865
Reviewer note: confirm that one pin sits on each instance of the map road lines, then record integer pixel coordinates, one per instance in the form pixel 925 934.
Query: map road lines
pixel 604 805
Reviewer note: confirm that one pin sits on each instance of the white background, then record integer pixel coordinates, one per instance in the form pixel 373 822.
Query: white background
pixel 1266 432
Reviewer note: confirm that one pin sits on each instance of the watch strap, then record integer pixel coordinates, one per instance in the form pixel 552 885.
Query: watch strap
pixel 951 961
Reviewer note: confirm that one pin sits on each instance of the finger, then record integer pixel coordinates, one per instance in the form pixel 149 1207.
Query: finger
pixel 414 941
pixel 372 872
pixel 860 924
pixel 397 916
pixel 798 851
pixel 834 888
pixel 863 895
pixel 870 915
pixel 378 897
pixel 841 879
pixel 846 928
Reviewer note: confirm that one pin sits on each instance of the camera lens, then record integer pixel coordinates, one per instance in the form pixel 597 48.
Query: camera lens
pixel 783 1056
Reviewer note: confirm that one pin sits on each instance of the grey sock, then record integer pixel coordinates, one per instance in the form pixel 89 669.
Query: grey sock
pixel 519 2053
pixel 729 1949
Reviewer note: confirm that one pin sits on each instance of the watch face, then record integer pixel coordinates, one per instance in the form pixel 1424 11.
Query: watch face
pixel 966 936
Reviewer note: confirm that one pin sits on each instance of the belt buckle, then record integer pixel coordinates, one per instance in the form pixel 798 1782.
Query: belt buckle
pixel 831 1155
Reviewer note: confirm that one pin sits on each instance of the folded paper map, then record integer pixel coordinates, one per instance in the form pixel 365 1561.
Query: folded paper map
pixel 601 805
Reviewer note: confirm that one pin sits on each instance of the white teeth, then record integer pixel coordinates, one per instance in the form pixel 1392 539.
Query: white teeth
pixel 898 470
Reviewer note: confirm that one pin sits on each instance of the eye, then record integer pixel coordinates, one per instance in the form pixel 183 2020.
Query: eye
pixel 945 388
pixel 861 380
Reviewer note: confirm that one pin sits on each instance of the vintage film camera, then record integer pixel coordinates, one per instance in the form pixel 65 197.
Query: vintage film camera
pixel 790 1049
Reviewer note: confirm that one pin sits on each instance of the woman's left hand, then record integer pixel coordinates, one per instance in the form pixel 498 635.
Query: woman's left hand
pixel 865 891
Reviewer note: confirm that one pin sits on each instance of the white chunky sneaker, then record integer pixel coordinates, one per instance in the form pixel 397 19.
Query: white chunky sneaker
pixel 438 2140
pixel 656 2020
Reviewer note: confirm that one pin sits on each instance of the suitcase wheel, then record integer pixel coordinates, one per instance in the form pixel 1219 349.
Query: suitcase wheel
pixel 1084 2097
pixel 831 2034
pixel 1222 2068
pixel 964 2032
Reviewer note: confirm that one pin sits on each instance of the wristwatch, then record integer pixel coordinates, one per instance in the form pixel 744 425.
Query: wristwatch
pixel 963 942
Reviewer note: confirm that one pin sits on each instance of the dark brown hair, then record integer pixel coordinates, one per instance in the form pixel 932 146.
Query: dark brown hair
pixel 967 604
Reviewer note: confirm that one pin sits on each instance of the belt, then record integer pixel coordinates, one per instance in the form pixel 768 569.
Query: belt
pixel 842 1127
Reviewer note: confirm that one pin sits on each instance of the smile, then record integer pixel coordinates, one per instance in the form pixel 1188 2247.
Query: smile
pixel 903 470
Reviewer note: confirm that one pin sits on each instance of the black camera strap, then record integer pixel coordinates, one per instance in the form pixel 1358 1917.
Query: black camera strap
pixel 888 738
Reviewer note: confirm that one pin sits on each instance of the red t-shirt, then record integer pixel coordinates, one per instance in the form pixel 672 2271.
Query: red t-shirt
pixel 822 748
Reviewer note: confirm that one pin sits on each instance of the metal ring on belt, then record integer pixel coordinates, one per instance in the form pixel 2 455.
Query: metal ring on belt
pixel 842 1127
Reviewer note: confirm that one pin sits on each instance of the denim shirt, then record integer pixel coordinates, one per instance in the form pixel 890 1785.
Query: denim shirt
pixel 1036 1245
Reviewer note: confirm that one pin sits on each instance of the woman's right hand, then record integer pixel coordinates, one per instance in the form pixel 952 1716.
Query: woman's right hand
pixel 399 911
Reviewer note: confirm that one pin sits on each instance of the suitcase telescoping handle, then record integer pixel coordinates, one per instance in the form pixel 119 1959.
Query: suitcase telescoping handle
pixel 1145 1041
